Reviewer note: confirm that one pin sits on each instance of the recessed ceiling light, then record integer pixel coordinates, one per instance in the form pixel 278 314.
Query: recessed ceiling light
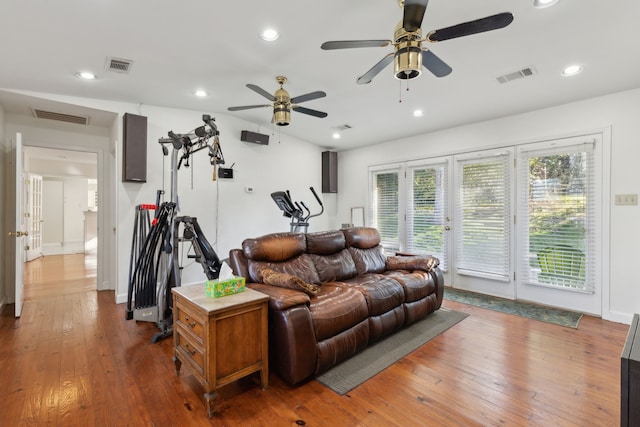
pixel 539 4
pixel 200 93
pixel 269 35
pixel 418 113
pixel 572 70
pixel 86 75
pixel 336 135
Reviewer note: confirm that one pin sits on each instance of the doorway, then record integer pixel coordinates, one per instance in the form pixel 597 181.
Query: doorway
pixel 62 208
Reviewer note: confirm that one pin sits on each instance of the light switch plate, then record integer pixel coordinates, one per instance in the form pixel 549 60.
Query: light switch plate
pixel 626 199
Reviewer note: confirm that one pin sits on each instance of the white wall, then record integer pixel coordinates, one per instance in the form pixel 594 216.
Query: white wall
pixel 225 212
pixel 616 113
pixel 64 201
pixel 3 230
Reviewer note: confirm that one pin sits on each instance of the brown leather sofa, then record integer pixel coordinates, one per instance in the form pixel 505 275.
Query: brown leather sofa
pixel 359 300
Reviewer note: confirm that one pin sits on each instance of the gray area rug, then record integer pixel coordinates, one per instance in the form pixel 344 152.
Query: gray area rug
pixel 364 365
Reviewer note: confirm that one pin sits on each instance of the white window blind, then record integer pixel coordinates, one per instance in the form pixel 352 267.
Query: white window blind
pixel 384 209
pixel 427 213
pixel 483 218
pixel 557 188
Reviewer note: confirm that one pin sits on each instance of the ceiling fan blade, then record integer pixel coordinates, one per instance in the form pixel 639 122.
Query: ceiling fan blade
pixel 248 107
pixel 349 44
pixel 309 111
pixel 434 64
pixel 489 23
pixel 369 75
pixel 308 97
pixel 413 14
pixel 261 91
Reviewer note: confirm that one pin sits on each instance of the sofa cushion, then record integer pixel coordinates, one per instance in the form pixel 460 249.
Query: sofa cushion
pixel 335 267
pixel 336 308
pixel 276 247
pixel 370 260
pixel 382 293
pixel 284 280
pixel 362 237
pixel 416 285
pixel 301 266
pixel 326 242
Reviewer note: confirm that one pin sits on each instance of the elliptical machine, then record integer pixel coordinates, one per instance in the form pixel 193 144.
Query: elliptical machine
pixel 296 210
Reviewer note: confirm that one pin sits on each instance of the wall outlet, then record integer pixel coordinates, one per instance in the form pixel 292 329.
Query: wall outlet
pixel 626 199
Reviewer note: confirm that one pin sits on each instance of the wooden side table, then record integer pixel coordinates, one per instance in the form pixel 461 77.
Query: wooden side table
pixel 222 339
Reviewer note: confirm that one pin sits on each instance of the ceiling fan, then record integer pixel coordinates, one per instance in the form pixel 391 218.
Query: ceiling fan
pixel 283 103
pixel 409 56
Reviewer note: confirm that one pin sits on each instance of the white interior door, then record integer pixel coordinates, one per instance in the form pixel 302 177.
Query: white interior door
pixel 34 217
pixel 20 226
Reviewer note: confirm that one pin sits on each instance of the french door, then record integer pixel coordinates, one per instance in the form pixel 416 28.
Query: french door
pixel 483 222
pixel 518 222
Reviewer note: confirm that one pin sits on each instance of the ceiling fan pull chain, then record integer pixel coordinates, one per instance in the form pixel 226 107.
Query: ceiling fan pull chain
pixel 400 92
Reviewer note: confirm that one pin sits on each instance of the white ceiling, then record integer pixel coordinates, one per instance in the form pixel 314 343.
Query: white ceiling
pixel 178 47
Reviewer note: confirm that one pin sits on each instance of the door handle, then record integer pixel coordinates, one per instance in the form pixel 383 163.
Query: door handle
pixel 447 228
pixel 18 233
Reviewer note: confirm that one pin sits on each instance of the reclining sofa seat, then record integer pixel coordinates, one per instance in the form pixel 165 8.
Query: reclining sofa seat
pixel 359 299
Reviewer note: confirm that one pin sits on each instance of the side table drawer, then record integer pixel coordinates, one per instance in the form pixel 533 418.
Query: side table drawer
pixel 190 322
pixel 190 353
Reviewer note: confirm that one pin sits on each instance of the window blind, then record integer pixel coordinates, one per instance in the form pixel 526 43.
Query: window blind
pixel 384 209
pixel 557 188
pixel 427 211
pixel 483 218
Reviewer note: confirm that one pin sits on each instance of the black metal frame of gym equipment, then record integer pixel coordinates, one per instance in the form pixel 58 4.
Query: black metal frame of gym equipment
pixel 157 267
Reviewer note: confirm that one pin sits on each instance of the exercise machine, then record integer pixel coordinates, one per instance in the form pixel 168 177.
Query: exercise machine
pixel 299 213
pixel 155 265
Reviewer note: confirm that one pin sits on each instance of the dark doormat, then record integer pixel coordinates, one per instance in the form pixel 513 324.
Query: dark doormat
pixel 569 319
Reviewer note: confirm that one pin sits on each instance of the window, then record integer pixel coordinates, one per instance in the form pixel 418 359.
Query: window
pixel 558 230
pixel 385 204
pixel 483 216
pixel 427 211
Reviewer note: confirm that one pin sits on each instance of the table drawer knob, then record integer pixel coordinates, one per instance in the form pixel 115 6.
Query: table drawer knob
pixel 192 324
pixel 189 350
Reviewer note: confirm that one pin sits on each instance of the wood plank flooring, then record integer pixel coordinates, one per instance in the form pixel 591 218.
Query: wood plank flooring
pixel 73 360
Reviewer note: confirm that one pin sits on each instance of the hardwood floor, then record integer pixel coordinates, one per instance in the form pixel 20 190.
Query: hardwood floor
pixel 73 360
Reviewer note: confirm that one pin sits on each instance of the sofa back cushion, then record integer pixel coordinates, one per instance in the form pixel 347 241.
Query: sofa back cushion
pixel 335 267
pixel 326 242
pixel 282 252
pixel 365 249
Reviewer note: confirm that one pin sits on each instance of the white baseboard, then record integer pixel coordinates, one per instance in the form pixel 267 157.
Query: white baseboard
pixel 64 248
pixel 618 317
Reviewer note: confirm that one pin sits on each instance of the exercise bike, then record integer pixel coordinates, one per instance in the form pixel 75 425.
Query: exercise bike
pixel 299 213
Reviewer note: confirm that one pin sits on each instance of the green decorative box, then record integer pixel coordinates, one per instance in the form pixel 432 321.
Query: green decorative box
pixel 221 288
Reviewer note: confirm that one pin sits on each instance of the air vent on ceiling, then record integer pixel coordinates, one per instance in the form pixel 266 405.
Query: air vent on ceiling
pixel 525 72
pixel 118 65
pixel 60 117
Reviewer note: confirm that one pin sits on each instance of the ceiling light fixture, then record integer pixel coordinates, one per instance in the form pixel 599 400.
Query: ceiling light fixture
pixel 336 135
pixel 418 113
pixel 86 75
pixel 571 70
pixel 200 93
pixel 540 4
pixel 269 35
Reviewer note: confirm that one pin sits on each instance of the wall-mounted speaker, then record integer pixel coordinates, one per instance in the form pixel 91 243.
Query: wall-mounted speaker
pixel 134 148
pixel 329 172
pixel 256 138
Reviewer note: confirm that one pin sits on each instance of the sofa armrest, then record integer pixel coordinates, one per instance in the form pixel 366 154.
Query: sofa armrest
pixel 438 280
pixel 281 298
pixel 412 262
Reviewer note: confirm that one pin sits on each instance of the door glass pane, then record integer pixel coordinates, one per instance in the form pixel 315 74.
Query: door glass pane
pixel 384 208
pixel 427 212
pixel 560 217
pixel 483 217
